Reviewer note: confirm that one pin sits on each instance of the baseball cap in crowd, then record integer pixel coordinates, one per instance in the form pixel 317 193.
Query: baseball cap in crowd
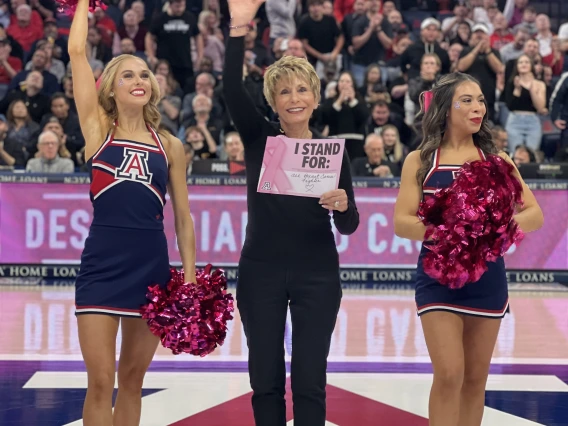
pixel 3 118
pixel 429 21
pixel 480 27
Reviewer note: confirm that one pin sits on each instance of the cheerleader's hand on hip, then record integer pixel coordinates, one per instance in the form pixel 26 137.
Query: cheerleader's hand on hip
pixel 243 11
pixel 335 200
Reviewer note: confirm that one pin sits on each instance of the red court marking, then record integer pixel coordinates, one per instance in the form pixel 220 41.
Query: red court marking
pixel 344 408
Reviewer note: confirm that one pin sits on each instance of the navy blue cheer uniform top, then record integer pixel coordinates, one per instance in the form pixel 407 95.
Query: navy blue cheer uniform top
pixel 126 250
pixel 487 297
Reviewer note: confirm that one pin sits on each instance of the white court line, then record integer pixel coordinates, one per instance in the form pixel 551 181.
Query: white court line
pixel 61 262
pixel 210 197
pixel 243 358
pixel 183 396
pixel 347 265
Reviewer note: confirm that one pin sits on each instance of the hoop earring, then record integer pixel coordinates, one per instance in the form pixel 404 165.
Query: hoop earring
pixel 111 94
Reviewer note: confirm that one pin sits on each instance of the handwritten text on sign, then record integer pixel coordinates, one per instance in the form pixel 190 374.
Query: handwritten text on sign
pixel 301 167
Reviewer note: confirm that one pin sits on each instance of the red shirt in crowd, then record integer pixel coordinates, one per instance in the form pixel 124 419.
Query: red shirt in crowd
pixel 15 63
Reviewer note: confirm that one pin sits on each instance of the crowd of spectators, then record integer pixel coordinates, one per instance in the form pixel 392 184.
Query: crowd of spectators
pixel 374 59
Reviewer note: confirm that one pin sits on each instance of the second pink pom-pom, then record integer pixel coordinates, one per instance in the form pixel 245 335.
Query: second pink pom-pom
pixel 190 317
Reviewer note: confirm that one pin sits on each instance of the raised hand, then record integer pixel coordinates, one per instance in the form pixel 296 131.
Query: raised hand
pixel 243 11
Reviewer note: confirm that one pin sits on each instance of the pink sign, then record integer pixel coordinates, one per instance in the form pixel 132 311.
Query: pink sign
pixel 49 224
pixel 301 167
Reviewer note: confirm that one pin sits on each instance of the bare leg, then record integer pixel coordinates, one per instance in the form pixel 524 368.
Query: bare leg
pixel 138 348
pixel 97 337
pixel 479 337
pixel 443 332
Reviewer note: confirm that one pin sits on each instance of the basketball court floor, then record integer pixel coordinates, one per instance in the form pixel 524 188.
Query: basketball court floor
pixel 379 372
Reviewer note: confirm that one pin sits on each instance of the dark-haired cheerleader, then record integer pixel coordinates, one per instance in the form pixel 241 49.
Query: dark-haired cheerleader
pixel 460 325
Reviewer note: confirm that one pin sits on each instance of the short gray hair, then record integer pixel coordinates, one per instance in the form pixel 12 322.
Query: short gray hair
pixel 46 133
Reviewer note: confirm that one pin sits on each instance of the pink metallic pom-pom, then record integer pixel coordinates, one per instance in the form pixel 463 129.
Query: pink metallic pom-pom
pixel 471 222
pixel 69 6
pixel 190 317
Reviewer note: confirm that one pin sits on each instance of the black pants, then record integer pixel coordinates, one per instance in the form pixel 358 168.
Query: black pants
pixel 181 75
pixel 263 294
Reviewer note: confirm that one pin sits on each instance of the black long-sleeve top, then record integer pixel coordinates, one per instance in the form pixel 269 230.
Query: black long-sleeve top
pixel 281 228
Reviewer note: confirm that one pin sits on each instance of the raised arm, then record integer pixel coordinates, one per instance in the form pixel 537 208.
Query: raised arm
pixel 248 120
pixel 91 116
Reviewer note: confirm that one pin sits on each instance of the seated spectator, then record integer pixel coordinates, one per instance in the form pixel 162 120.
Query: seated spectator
pixel 203 119
pixel 12 154
pixel 53 125
pixel 374 164
pixel 9 66
pixel 49 160
pixel 544 35
pixel 53 65
pixel 559 109
pixel 209 25
pixel 38 103
pixel 345 116
pixel 530 49
pixel 523 155
pixel 169 105
pixel 51 34
pixel 203 145
pixel 39 63
pixel 68 92
pixel 555 60
pixel 189 153
pixel 261 55
pixel 381 116
pixel 74 139
pixel 372 85
pixel 16 49
pixel 451 24
pixel 130 29
pixel 463 34
pixel 21 128
pixel 502 35
pixel 23 29
pixel 204 85
pixel 99 50
pixel 279 46
pixel 163 67
pixel 429 71
pixel 454 52
pixel 234 148
pixel 485 14
pixel 127 47
pixel 529 21
pixel 105 25
pixel 500 138
pixel 394 151
pixel 295 48
pixel 515 48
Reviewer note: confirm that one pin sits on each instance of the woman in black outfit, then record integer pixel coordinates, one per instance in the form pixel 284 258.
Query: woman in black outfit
pixel 345 115
pixel 289 256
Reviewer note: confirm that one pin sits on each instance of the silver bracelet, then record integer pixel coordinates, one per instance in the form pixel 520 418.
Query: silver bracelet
pixel 236 27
